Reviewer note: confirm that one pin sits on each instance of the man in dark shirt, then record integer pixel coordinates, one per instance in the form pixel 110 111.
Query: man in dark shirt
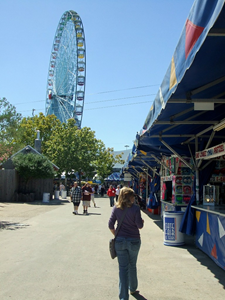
pixel 86 191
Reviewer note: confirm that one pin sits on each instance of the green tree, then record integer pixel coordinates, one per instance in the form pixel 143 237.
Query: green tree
pixel 29 126
pixel 105 161
pixel 5 152
pixel 33 166
pixel 9 124
pixel 9 120
pixel 72 149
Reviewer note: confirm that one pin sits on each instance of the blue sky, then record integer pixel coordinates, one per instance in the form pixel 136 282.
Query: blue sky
pixel 129 45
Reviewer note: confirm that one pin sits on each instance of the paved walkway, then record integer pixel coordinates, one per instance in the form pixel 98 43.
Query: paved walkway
pixel 50 254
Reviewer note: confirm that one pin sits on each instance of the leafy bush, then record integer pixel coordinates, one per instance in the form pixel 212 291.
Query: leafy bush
pixel 33 166
pixel 5 152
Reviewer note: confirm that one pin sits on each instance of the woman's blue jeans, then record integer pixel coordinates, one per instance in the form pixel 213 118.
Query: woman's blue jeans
pixel 127 252
pixel 111 201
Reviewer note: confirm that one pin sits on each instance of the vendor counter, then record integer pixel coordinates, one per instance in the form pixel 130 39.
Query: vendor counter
pixel 210 232
pixel 169 206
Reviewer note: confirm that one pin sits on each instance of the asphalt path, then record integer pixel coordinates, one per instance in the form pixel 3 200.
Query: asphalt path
pixel 48 253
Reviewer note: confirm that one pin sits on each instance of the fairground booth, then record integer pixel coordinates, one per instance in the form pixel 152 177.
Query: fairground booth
pixel 181 147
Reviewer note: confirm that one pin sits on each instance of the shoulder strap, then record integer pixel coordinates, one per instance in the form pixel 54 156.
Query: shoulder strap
pixel 121 221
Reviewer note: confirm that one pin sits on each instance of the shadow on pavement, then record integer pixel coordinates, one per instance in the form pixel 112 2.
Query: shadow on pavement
pixel 38 202
pixel 157 218
pixel 190 246
pixel 138 296
pixel 51 202
pixel 89 214
pixel 206 261
pixel 12 225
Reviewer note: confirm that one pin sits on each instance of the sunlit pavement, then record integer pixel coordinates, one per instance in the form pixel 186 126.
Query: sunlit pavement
pixel 49 253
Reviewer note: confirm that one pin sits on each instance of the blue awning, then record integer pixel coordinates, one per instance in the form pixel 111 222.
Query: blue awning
pixel 114 177
pixel 191 98
pixel 140 161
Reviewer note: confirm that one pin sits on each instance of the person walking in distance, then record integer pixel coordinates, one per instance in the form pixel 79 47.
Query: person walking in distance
pixel 86 191
pixel 102 190
pixel 99 188
pixel 111 193
pixel 117 192
pixel 61 188
pixel 128 241
pixel 93 196
pixel 75 197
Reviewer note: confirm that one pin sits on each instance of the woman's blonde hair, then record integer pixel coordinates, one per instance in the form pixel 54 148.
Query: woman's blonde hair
pixel 124 199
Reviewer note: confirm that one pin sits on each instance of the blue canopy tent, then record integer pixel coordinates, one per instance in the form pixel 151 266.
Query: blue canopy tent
pixel 191 98
pixel 190 102
pixel 114 177
pixel 141 163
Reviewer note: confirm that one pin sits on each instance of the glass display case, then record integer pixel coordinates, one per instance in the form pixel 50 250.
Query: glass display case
pixel 210 195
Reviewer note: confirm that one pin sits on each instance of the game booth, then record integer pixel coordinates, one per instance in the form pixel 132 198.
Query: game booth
pixel 210 214
pixel 184 132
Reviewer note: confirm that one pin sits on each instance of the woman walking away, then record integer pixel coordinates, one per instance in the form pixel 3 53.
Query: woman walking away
pixel 111 193
pixel 128 241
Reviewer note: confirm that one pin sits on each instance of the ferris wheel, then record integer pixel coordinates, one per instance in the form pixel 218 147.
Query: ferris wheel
pixel 67 70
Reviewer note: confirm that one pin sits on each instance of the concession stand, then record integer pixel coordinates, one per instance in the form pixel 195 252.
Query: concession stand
pixel 176 184
pixel 210 215
pixel 186 126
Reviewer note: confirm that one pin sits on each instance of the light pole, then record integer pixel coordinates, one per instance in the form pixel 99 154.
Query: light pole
pixel 126 146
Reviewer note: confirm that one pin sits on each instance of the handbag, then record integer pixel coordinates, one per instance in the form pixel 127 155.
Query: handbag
pixel 112 248
pixel 112 241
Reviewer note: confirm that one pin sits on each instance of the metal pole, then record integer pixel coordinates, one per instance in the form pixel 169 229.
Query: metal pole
pixel 174 152
pixel 197 173
pixel 208 143
pixel 160 162
pixel 146 188
pixel 193 158
pixel 146 200
pixel 149 167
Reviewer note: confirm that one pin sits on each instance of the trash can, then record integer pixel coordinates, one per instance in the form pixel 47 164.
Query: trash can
pixel 171 225
pixel 64 194
pixel 46 197
pixel 56 195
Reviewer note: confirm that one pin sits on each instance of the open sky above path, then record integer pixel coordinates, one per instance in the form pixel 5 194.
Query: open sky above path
pixel 129 46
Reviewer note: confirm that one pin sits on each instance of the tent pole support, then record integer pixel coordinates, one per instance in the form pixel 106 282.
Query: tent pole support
pixel 135 171
pixel 175 153
pixel 146 196
pixel 192 156
pixel 198 134
pixel 197 174
pixel 208 143
pixel 134 175
pixel 160 162
pixel 205 165
pixel 137 178
pixel 149 167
